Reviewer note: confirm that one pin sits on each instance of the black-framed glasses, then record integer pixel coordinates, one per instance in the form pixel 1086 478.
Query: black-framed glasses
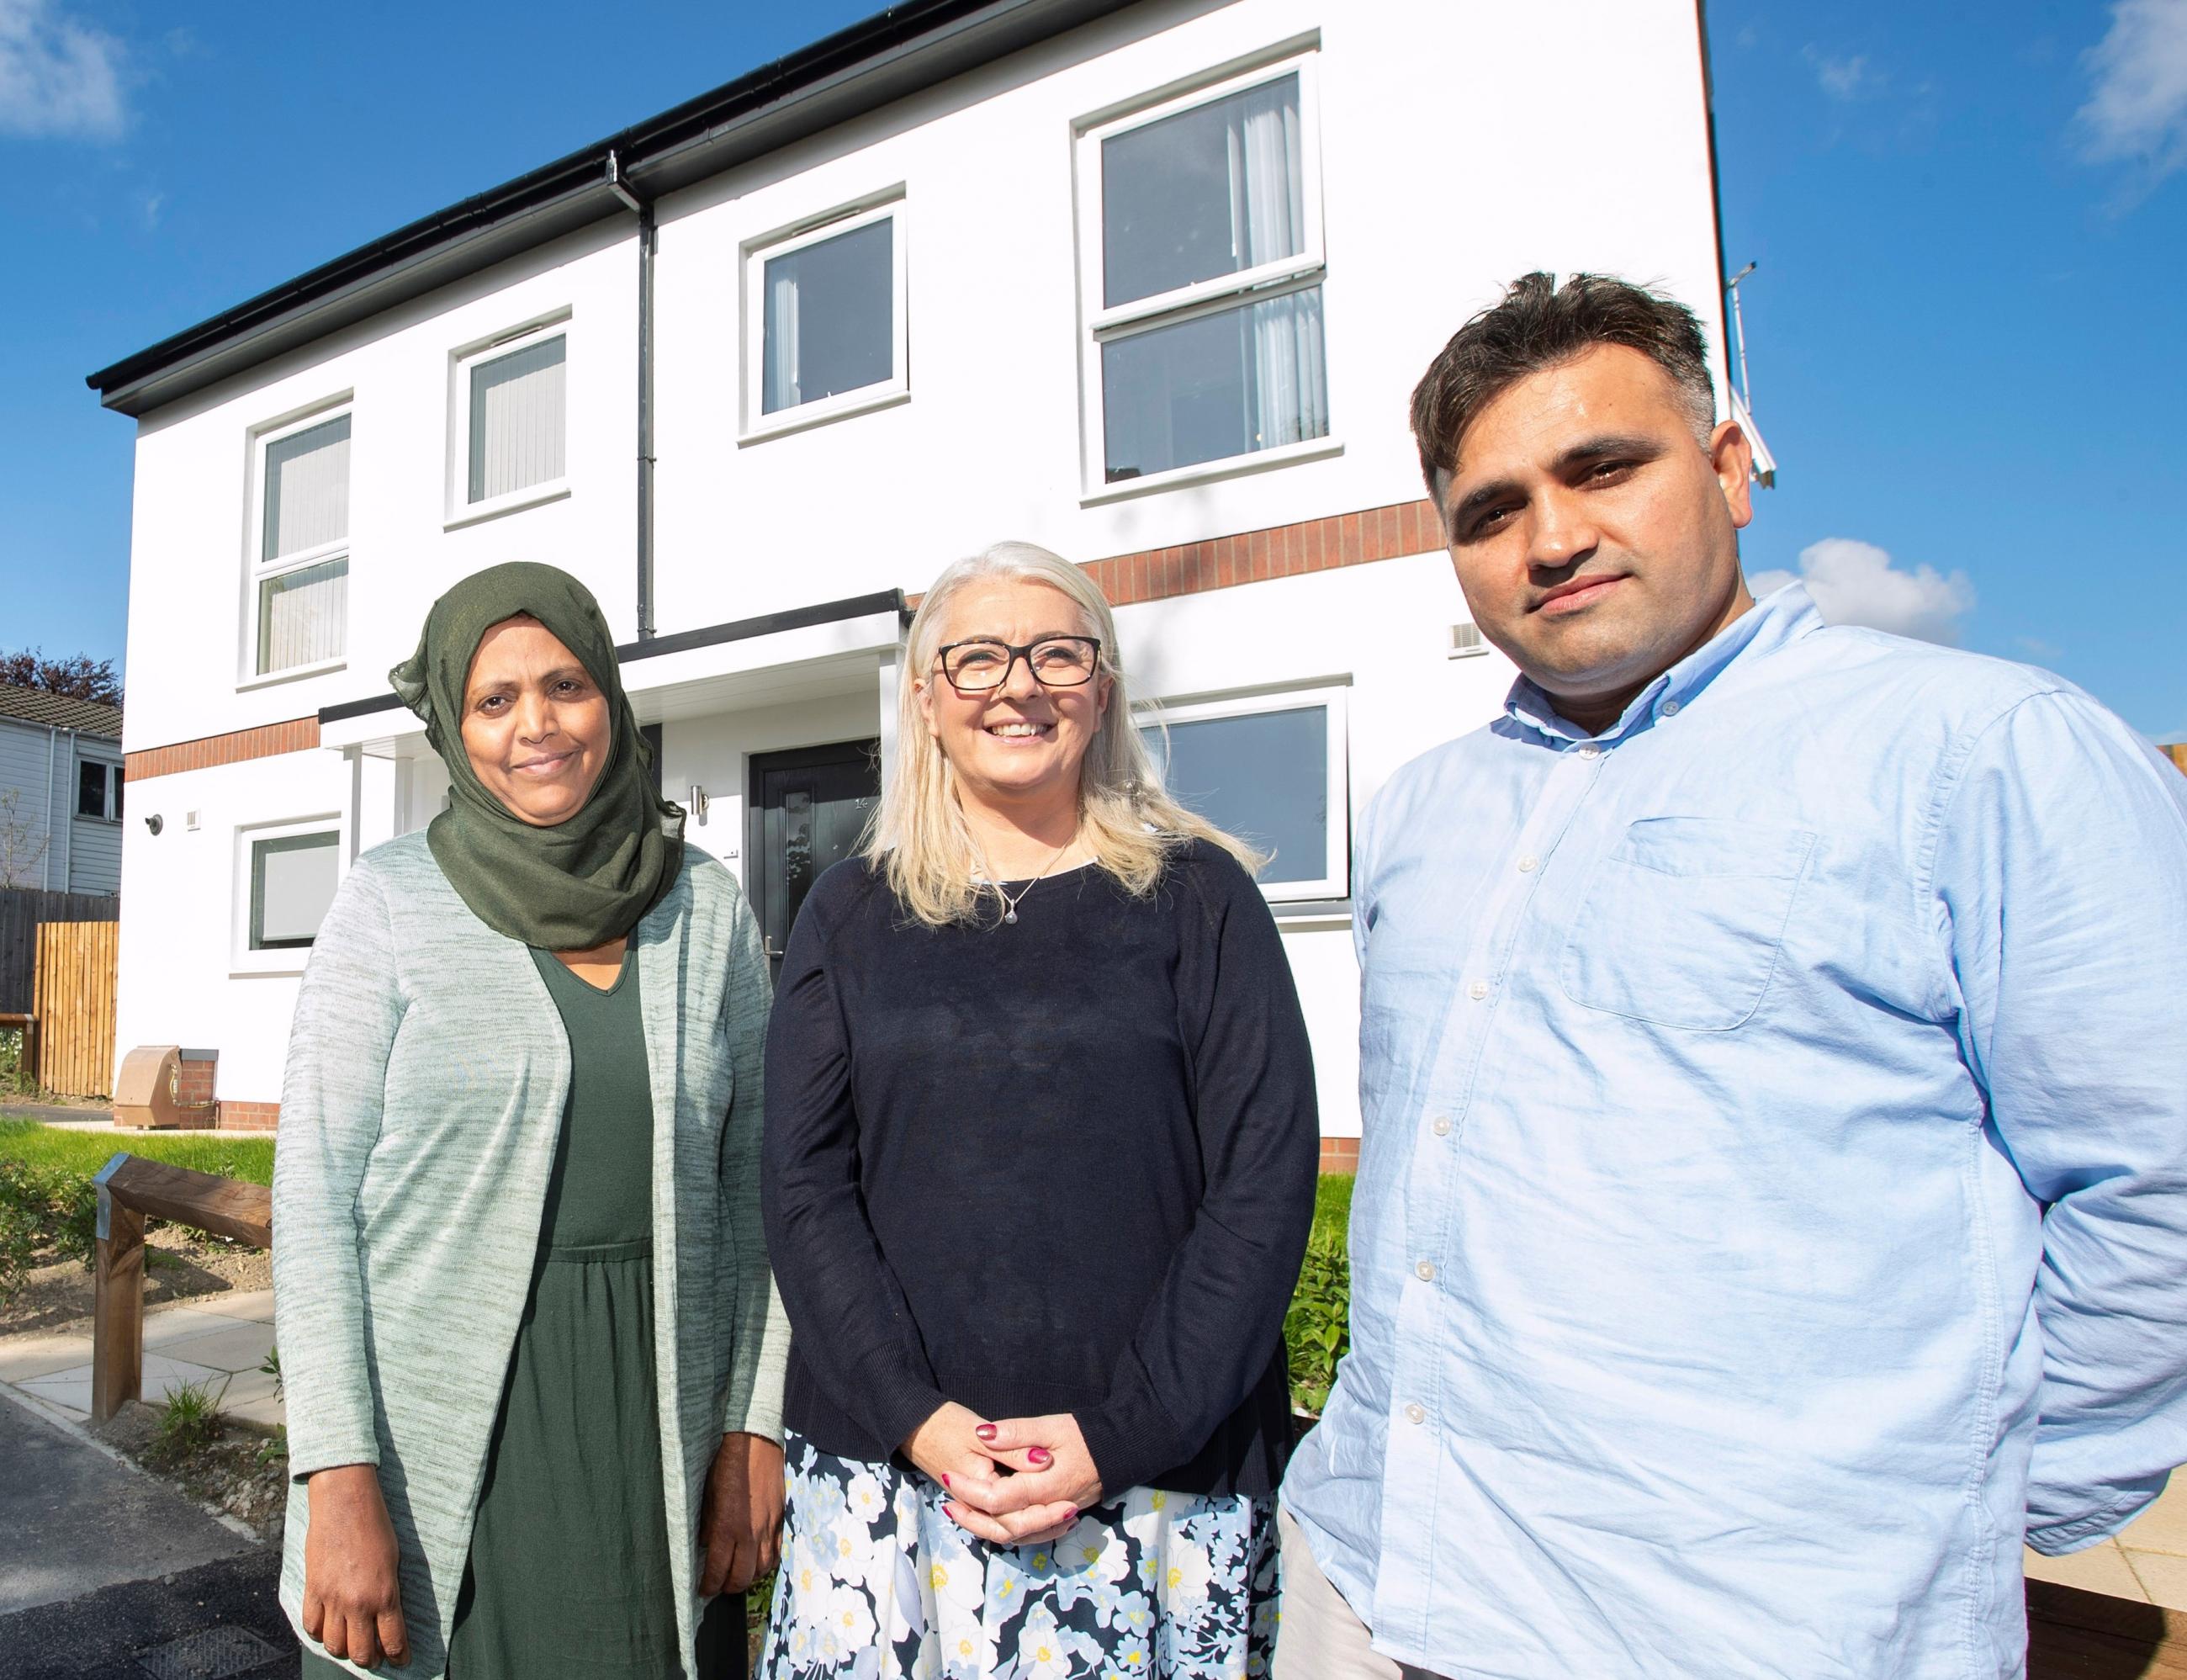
pixel 1055 661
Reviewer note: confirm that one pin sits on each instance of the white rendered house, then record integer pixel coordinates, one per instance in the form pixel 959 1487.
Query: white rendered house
pixel 1148 284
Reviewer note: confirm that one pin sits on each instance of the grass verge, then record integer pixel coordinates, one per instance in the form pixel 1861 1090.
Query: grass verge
pixel 49 1148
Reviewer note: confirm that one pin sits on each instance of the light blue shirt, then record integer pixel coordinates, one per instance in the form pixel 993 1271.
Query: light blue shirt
pixel 1773 1196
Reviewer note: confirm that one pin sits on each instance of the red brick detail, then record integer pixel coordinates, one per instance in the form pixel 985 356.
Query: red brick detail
pixel 1274 551
pixel 250 1116
pixel 1340 1154
pixel 268 740
pixel 194 1084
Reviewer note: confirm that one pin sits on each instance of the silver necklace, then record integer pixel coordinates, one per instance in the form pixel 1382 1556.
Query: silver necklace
pixel 1009 904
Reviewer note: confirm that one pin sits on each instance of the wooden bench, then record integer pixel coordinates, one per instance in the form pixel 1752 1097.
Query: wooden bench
pixel 131 1190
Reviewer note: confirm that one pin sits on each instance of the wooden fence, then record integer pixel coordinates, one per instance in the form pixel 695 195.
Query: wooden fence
pixel 22 910
pixel 74 1002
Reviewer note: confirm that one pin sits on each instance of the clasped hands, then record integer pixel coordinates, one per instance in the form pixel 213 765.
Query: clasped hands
pixel 1013 1481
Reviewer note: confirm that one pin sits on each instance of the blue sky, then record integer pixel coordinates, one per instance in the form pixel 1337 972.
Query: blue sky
pixel 1965 333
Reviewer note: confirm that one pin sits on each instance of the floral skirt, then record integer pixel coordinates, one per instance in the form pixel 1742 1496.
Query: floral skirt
pixel 877 1583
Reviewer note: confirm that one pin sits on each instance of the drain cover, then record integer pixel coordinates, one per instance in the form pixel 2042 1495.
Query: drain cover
pixel 213 1655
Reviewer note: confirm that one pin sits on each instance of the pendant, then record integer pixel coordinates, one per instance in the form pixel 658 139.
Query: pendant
pixel 1009 915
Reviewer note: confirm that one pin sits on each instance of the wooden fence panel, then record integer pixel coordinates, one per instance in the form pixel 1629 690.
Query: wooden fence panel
pixel 22 910
pixel 75 1005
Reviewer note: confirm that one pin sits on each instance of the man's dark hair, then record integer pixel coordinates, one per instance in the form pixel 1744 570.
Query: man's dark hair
pixel 1539 324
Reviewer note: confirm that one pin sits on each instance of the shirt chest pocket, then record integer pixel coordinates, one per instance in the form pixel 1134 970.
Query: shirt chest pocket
pixel 1682 921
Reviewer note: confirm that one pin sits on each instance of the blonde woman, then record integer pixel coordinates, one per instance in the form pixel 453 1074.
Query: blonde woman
pixel 1039 1165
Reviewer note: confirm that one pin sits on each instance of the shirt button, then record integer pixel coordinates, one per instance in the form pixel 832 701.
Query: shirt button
pixel 1590 750
pixel 1477 990
pixel 1670 708
pixel 1416 1414
pixel 1528 865
pixel 1425 1270
pixel 1441 1126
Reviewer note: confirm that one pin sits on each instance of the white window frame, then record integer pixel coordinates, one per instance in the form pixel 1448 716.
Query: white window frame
pixel 1102 325
pixel 756 426
pixel 256 571
pixel 1336 883
pixel 109 814
pixel 289 959
pixel 560 323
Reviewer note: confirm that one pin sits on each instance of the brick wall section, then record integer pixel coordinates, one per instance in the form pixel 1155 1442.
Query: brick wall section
pixel 266 741
pixel 250 1116
pixel 196 1083
pixel 1340 1154
pixel 1275 551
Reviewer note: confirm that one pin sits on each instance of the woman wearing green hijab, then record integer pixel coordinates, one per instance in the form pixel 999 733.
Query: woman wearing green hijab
pixel 532 1353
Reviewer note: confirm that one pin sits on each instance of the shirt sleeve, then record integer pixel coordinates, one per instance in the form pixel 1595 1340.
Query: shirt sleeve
pixel 2061 873
pixel 854 1326
pixel 1206 1338
pixel 760 1330
pixel 348 1008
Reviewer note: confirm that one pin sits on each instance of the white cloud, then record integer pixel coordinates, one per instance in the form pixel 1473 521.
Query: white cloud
pixel 57 77
pixel 1844 78
pixel 2137 108
pixel 1856 583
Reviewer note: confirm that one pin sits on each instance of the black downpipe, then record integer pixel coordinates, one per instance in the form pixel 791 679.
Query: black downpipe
pixel 647 239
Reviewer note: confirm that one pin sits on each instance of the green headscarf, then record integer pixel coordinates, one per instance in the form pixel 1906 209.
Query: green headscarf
pixel 588 880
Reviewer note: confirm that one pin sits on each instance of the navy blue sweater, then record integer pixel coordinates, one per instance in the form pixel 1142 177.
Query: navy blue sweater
pixel 1063 1165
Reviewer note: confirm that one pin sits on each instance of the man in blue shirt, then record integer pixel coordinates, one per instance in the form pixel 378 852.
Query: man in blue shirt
pixel 1773 1197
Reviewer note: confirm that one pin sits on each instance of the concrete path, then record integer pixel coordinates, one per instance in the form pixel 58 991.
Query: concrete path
pixel 2144 1562
pixel 218 1340
pixel 73 1519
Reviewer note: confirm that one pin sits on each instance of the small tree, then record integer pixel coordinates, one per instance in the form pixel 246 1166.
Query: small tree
pixel 79 677
pixel 22 844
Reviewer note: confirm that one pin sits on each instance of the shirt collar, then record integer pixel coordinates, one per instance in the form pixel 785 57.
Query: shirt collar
pixel 1784 616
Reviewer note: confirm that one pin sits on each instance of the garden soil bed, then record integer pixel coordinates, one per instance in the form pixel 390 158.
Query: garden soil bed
pixel 57 1294
pixel 241 1471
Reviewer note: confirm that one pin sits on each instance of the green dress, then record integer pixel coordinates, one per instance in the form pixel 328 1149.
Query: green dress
pixel 568 1577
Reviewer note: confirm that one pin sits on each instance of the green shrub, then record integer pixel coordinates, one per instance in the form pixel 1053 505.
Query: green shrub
pixel 189 1420
pixel 19 1244
pixel 1317 1327
pixel 15 1079
pixel 58 1210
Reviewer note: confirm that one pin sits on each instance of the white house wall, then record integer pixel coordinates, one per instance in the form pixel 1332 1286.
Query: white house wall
pixel 1461 145
pixel 178 979
pixel 1457 153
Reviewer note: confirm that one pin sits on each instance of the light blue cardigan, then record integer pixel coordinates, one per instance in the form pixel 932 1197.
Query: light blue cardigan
pixel 426 1075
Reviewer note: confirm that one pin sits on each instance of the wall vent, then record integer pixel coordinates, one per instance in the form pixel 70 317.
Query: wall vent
pixel 1466 641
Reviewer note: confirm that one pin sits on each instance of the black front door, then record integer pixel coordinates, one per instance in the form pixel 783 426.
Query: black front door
pixel 808 809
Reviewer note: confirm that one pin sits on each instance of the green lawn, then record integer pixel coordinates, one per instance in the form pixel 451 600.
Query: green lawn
pixel 50 1147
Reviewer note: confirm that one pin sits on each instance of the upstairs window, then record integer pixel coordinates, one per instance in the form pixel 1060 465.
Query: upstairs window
pixel 299 567
pixel 825 308
pixel 511 410
pixel 1203 249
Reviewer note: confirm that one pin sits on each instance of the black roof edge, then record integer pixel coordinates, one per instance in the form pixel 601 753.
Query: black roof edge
pixel 682 641
pixel 896 52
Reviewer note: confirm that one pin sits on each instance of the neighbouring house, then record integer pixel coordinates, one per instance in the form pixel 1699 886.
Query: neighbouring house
pixel 60 793
pixel 1146 283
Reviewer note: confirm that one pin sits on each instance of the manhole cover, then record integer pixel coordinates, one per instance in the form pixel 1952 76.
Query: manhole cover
pixel 213 1655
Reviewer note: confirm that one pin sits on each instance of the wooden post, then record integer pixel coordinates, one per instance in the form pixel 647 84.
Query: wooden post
pixel 117 1329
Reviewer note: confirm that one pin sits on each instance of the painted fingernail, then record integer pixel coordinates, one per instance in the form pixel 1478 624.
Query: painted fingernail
pixel 1037 1455
pixel 985 1431
pixel 945 1478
